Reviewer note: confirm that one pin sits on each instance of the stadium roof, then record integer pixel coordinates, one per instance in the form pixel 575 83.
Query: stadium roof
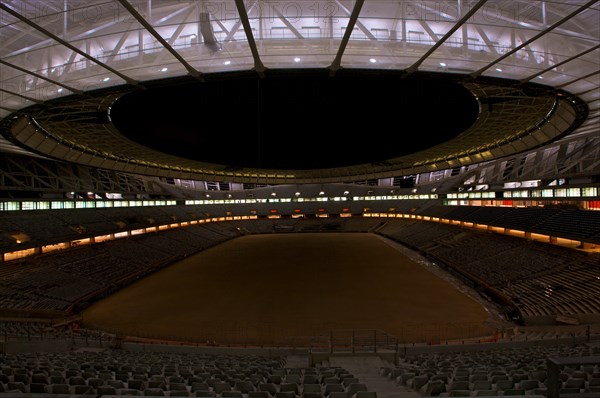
pixel 539 60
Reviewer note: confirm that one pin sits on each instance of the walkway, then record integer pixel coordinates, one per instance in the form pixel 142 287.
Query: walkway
pixel 366 369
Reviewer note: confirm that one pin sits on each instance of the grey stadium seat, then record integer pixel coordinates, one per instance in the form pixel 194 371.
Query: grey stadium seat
pixel 258 394
pixel 158 392
pixel 365 394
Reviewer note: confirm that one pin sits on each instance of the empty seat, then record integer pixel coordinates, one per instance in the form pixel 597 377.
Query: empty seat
pixel 481 385
pixel 106 390
pixel 57 380
pixel 478 377
pixel 459 393
pixel 496 378
pixel 115 383
pixel 504 384
pixel 529 384
pixel 442 377
pixel 202 393
pixel 258 394
pixel 95 382
pixel 311 379
pixel 485 393
pixel 200 387
pixel 135 384
pixel 574 383
pixel 356 387
pixel 77 381
pixel 349 380
pixel 517 377
pixel 58 389
pixel 268 387
pixel 129 391
pixel 219 387
pixel 338 394
pixel 36 388
pixel 365 394
pixel 15 386
pixel 285 394
pixel 244 386
pixel 435 387
pixel 285 387
pixel 83 389
pixel 312 395
pixel 21 377
pixel 158 392
pixel 594 385
pixel 292 378
pixel 312 388
pixel 417 382
pixel 458 385
pixel 329 388
pixel 514 391
pixel 178 386
pixel 404 377
pixel 275 379
pixel 231 394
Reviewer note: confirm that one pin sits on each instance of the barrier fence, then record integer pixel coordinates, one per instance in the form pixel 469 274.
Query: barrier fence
pixel 333 341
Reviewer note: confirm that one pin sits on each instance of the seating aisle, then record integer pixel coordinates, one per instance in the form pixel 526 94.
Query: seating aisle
pixel 366 369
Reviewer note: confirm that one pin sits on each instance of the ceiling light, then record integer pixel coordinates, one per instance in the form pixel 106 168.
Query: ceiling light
pixel 273 194
pixel 498 70
pixel 540 77
pixel 60 90
pixel 164 69
pixel 346 192
pixel 442 64
pixel 372 60
pixel 297 194
pixel 106 79
pixel 193 35
pixel 227 63
pixel 297 59
pixel 321 193
pixel 207 195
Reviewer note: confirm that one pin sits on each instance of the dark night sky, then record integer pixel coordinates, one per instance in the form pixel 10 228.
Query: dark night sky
pixel 296 119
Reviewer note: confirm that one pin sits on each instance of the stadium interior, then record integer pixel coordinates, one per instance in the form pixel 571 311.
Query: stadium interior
pixel 300 199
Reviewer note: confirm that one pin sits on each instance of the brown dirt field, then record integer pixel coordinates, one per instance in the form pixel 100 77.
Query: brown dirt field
pixel 264 288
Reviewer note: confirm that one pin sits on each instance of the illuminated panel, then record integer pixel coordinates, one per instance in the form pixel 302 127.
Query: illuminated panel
pixel 102 238
pixel 18 254
pixel 55 247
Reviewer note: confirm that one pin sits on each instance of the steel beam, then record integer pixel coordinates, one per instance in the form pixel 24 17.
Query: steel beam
pixel 335 65
pixel 534 38
pixel 74 90
pixel 66 44
pixel 191 70
pixel 258 65
pixel 414 67
pixel 560 63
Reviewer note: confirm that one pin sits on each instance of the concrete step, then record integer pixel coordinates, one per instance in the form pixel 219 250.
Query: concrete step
pixel 366 369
